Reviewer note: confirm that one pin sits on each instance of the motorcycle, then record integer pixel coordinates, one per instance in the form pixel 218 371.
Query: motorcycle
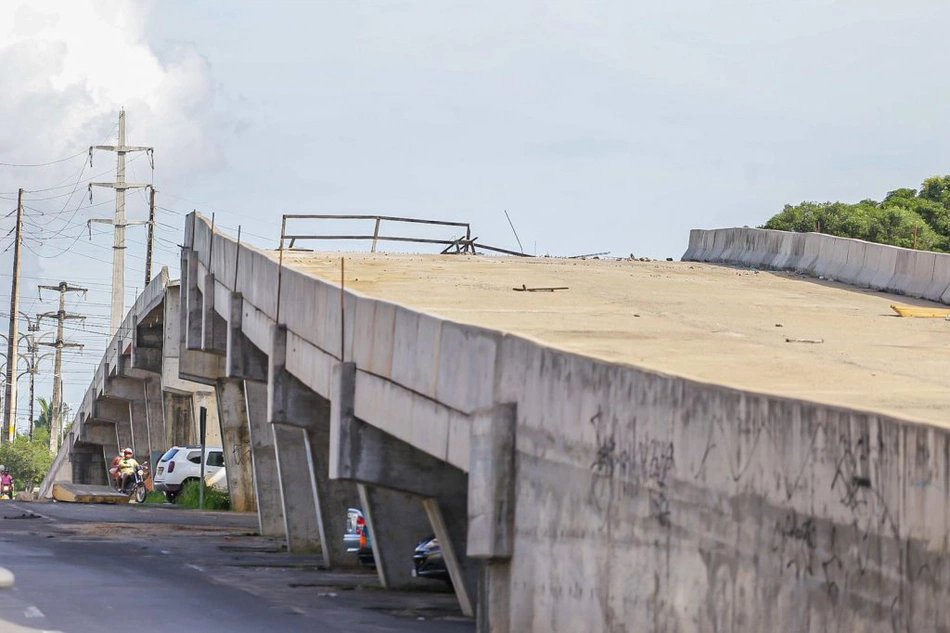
pixel 135 485
pixel 6 491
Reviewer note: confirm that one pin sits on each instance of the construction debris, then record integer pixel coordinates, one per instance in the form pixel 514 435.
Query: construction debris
pixel 921 312
pixel 524 288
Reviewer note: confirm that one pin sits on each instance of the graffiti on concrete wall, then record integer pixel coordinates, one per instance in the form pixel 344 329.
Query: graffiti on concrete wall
pixel 645 465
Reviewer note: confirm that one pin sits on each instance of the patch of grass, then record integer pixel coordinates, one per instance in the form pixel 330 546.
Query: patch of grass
pixel 214 499
pixel 155 497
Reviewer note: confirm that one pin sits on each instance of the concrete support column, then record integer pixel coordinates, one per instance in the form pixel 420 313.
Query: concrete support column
pixel 138 417
pixel 297 491
pixel 236 441
pixel 155 414
pixel 179 427
pixel 270 510
pixel 491 512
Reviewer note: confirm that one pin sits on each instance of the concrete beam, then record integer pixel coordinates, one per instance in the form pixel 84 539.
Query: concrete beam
pixel 244 359
pixel 123 388
pixel 200 367
pixel 291 402
pixel 214 334
pixel 102 434
pixel 270 509
pixel 236 441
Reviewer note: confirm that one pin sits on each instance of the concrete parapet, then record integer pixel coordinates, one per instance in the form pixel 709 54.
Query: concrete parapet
pixel 694 246
pixel 887 265
pixel 922 275
pixel 901 271
pixel 869 269
pixel 941 279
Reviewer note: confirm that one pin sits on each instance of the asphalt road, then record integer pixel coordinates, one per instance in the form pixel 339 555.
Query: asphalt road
pixel 91 568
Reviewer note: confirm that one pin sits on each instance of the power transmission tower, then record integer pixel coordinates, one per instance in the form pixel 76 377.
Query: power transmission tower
pixel 151 235
pixel 119 222
pixel 61 317
pixel 9 405
pixel 32 364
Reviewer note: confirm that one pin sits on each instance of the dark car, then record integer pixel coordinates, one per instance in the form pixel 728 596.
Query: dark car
pixel 427 561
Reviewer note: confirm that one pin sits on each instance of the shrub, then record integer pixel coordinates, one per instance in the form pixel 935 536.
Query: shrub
pixel 214 499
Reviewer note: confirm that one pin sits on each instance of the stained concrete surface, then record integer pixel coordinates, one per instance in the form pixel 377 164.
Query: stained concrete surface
pixel 716 324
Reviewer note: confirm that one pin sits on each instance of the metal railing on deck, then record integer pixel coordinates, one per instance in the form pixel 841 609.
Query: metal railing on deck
pixel 464 245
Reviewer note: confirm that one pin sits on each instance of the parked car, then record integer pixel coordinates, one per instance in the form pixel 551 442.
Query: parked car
pixel 357 538
pixel 181 464
pixel 427 561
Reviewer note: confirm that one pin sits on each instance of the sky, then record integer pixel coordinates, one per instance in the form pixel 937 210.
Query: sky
pixel 599 126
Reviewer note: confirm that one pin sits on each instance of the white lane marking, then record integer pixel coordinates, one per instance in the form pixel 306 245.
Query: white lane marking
pixel 29 511
pixel 198 567
pixel 33 612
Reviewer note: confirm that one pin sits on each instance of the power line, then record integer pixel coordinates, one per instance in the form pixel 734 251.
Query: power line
pixel 52 162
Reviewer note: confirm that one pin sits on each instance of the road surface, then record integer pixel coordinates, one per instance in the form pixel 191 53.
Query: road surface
pixel 91 568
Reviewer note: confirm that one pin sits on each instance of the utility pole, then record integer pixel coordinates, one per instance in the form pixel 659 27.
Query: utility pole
pixel 61 316
pixel 9 405
pixel 33 366
pixel 151 235
pixel 119 222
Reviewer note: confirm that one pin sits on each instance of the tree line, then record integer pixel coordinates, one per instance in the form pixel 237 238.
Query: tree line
pixel 910 218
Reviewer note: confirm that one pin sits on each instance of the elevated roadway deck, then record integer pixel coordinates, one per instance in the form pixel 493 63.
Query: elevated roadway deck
pixel 715 324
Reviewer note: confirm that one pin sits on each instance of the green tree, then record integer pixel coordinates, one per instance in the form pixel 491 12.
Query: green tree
pixel 27 461
pixel 906 217
pixel 46 414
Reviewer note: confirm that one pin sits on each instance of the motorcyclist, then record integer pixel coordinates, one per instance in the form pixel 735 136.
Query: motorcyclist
pixel 126 466
pixel 6 479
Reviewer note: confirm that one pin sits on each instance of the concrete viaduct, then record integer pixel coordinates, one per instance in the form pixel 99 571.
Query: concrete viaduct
pixel 572 488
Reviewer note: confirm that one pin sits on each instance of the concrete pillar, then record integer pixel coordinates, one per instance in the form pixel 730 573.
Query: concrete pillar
pixel 270 509
pixel 179 427
pixel 236 441
pixel 155 418
pixel 293 404
pixel 491 512
pixel 141 435
pixel 297 490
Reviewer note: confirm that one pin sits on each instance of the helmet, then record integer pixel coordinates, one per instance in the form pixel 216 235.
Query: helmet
pixel 127 451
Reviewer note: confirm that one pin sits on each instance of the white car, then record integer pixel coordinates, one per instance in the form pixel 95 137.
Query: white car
pixel 181 464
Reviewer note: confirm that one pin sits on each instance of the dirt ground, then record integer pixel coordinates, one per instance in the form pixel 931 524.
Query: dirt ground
pixel 776 333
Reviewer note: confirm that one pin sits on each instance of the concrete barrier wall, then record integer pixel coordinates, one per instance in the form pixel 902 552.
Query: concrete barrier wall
pixel 922 274
pixel 653 503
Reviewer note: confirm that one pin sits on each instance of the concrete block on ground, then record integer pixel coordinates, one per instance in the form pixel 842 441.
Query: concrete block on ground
pixel 81 493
